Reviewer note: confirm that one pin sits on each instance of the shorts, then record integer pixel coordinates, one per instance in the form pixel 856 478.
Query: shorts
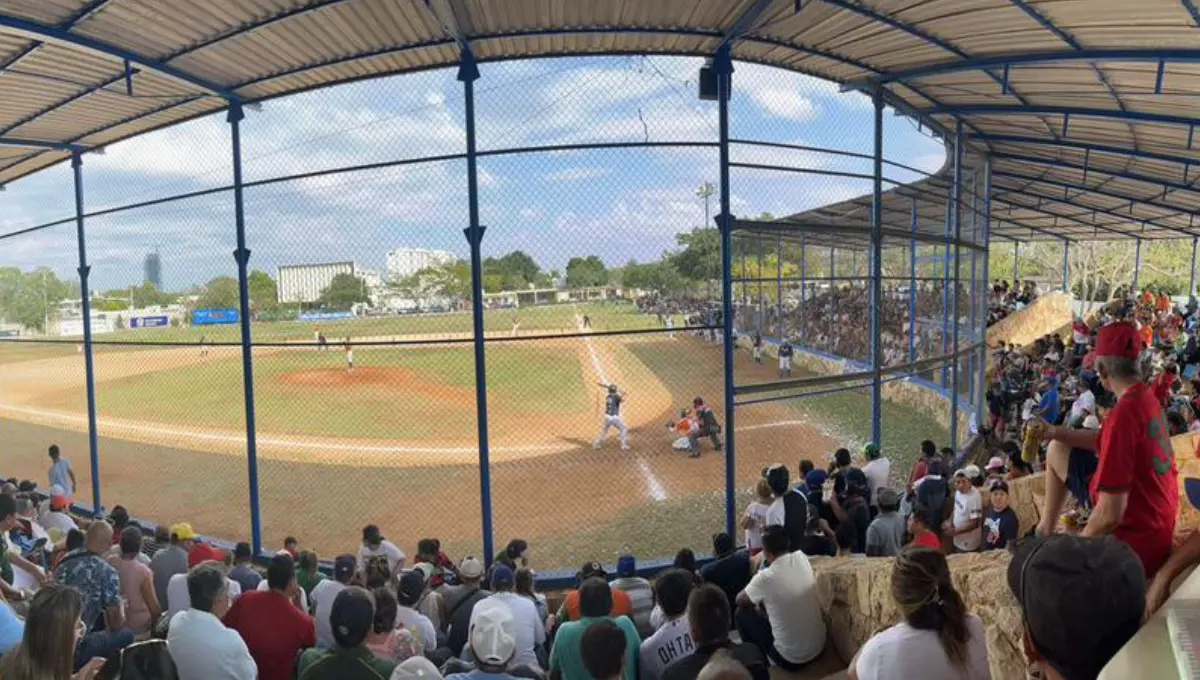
pixel 1081 466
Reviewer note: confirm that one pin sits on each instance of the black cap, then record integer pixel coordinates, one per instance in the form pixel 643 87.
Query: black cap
pixel 1083 598
pixel 352 617
pixel 590 570
pixel 999 485
pixel 241 551
pixel 371 534
pixel 412 584
pixel 344 567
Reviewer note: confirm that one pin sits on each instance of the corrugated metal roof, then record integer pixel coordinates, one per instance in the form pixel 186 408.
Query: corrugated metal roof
pixel 1085 105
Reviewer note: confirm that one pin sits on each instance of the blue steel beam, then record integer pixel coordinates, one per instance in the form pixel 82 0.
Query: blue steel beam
pixel 723 67
pixel 1176 55
pixel 86 12
pixel 1068 218
pixel 1071 111
pixel 1192 9
pixel 1085 168
pixel 745 23
pixel 89 364
pixel 876 261
pixel 40 144
pixel 1086 146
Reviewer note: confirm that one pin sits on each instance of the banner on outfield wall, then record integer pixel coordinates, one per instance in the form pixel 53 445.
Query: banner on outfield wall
pixel 325 316
pixel 9 334
pixel 214 317
pixel 149 322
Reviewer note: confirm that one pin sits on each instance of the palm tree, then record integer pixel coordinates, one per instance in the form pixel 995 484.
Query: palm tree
pixel 706 192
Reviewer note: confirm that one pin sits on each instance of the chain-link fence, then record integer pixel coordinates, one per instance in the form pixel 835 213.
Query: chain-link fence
pixel 353 397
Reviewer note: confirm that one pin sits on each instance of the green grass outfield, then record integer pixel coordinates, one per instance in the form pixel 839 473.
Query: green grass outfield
pixel 432 397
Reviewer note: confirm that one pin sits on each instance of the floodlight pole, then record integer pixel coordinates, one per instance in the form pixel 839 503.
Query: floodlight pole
pixel 89 364
pixel 912 287
pixel 981 387
pixel 468 73
pixel 723 67
pixel 957 213
pixel 876 261
pixel 242 257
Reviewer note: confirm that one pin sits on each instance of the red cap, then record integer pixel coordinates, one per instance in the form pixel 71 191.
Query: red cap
pixel 59 503
pixel 1118 339
pixel 203 552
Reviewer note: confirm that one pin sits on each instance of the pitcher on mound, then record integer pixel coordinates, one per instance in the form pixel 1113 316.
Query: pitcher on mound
pixel 612 417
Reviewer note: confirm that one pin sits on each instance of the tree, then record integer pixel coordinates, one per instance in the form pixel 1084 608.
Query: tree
pixel 515 270
pixel 343 292
pixel 31 298
pixel 449 280
pixel 700 258
pixel 219 293
pixel 585 272
pixel 264 293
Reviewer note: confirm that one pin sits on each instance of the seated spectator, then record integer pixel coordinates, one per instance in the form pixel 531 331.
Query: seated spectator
pixel 1000 523
pixel 12 628
pixel 58 519
pixel 792 633
pixel 885 535
pixel 442 569
pixel 352 618
pixel 430 603
pixel 707 611
pixel 179 600
pixel 137 584
pixel 527 625
pixel 602 650
pixel 673 640
pixel 307 573
pixel 374 545
pixel 323 594
pixel 274 629
pixel 51 634
pixel 569 611
pixel 10 560
pixel 469 592
pixel 1082 599
pixel 730 569
pixel 204 552
pixel 595 603
pixel 641 595
pixel 119 518
pixel 418 626
pixel 242 572
pixel 291 546
pixel 819 539
pixel 938 639
pixel 172 560
pixel 160 540
pixel 88 572
pixel 685 559
pixel 492 642
pixel 1184 557
pixel 525 588
pixel 202 647
pixel 385 640
pixel 965 526
pixel 416 668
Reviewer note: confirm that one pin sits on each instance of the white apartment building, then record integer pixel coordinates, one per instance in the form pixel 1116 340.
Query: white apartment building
pixel 404 262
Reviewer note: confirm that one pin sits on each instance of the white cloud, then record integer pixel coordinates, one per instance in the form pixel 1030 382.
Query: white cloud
pixel 784 103
pixel 576 174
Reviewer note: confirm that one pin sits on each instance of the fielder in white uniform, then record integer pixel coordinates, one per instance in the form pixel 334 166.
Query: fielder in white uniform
pixel 612 418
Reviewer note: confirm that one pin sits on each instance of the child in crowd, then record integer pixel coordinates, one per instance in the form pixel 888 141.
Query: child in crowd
pixel 755 519
pixel 1000 523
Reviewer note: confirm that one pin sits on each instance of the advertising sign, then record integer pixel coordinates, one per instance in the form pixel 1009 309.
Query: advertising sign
pixel 149 322
pixel 325 316
pixel 214 317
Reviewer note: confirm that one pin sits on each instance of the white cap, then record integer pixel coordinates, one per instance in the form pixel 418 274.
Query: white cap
pixel 1091 423
pixel 492 636
pixel 57 490
pixel 416 668
pixel 972 472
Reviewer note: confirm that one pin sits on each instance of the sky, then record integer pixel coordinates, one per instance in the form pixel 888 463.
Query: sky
pixel 620 204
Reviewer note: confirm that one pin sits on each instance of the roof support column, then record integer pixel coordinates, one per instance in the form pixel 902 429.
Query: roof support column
pixel 1137 261
pixel 832 297
pixel 89 363
pixel 803 284
pixel 242 257
pixel 912 287
pixel 1066 266
pixel 1192 283
pixel 1016 260
pixel 981 366
pixel 723 67
pixel 876 261
pixel 956 193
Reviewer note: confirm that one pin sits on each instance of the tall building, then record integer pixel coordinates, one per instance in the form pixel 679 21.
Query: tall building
pixel 152 270
pixel 403 262
pixel 306 282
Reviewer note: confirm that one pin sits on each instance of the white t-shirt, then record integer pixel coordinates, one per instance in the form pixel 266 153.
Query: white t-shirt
pixel 968 507
pixel 877 472
pixel 527 626
pixel 178 599
pixel 1084 404
pixel 1027 408
pixel 757 512
pixel 204 649
pixel 388 549
pixel 788 591
pixel 905 652
pixel 419 625
pixel 673 641
pixel 58 520
pixel 323 595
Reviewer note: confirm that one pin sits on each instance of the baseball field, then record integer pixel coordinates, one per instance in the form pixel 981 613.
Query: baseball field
pixel 392 441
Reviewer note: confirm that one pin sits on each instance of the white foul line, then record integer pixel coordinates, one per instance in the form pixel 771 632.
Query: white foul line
pixel 653 485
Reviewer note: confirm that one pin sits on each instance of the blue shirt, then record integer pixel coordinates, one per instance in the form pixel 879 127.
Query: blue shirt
pixel 60 474
pixel 1049 406
pixel 477 674
pixel 12 629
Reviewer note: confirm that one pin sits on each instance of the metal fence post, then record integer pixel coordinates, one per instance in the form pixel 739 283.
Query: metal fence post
pixel 468 73
pixel 85 271
pixel 723 66
pixel 981 406
pixel 876 260
pixel 912 287
pixel 242 256
pixel 957 212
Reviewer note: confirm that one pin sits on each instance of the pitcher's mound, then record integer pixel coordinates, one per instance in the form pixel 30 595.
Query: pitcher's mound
pixel 401 382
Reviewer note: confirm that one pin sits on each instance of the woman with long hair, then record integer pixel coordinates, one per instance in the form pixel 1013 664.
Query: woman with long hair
pixel 937 640
pixel 52 630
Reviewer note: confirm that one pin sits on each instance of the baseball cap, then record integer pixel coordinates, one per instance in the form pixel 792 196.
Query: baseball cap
pixel 995 462
pixel 371 534
pixel 626 566
pixel 870 451
pixel 972 472
pixel 241 551
pixel 592 570
pixel 1118 339
pixel 502 576
pixel 1091 423
pixel 815 479
pixel 412 584
pixel 344 567
pixel 416 668
pixel 999 485
pixel 59 503
pixel 1082 598
pixel 470 568
pixel 204 552
pixel 492 635
pixel 183 531
pixel 352 617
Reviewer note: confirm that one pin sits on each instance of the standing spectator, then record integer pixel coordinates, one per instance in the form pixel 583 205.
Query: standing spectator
pixel 673 640
pixel 707 612
pixel 595 601
pixel 965 524
pixel 242 572
pixel 877 470
pixel 418 626
pixel 202 647
pixel 325 592
pixel 570 609
pixel 1082 599
pixel 602 650
pixel 527 625
pixel 641 595
pixel 938 639
pixel 923 533
pixel 995 471
pixel 50 639
pixel 492 642
pixel 172 560
pixel 792 633
pixel 87 571
pixel 1000 523
pixel 385 640
pixel 352 616
pixel 885 535
pixel 789 509
pixel 818 540
pixel 730 569
pixel 142 608
pixel 525 588
pixel 160 541
pixel 375 546
pixel 61 474
pixel 1047 408
pixel 850 509
pixel 755 518
pixel 469 592
pixel 308 574
pixel 274 629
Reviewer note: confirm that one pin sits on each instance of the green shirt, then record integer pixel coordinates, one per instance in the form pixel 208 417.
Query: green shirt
pixel 343 664
pixel 6 570
pixel 566 656
pixel 309 581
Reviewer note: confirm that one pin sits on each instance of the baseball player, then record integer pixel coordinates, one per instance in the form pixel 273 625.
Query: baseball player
pixel 785 358
pixel 756 341
pixel 670 327
pixel 516 326
pixel 612 417
pixel 349 355
pixel 203 347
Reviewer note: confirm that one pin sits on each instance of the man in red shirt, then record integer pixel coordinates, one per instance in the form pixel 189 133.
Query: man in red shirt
pixel 274 629
pixel 1162 385
pixel 1134 489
